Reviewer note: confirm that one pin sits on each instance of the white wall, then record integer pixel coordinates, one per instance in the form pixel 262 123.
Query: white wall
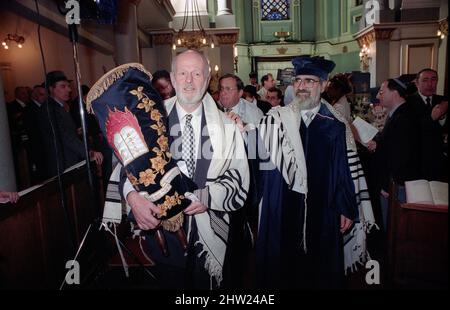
pixel 26 65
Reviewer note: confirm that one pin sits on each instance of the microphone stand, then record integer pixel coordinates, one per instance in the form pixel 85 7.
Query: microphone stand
pixel 73 35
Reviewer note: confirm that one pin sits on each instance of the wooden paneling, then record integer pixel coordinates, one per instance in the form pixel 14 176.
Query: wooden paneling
pixel 37 238
pixel 417 245
pixel 420 56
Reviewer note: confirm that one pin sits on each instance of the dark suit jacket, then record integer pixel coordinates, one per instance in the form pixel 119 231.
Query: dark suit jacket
pixel 17 125
pixel 264 106
pixel 36 155
pixel 396 154
pixel 70 149
pixel 433 162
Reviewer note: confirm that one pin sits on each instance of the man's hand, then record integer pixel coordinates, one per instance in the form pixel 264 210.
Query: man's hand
pixel 371 146
pixel 384 194
pixel 236 118
pixel 11 196
pixel 144 211
pixel 439 110
pixel 345 223
pixel 195 207
pixel 96 156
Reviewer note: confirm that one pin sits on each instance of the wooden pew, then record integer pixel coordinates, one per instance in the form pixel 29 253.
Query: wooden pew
pixel 417 244
pixel 35 241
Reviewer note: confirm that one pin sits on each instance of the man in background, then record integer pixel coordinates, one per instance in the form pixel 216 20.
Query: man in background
pixel 431 111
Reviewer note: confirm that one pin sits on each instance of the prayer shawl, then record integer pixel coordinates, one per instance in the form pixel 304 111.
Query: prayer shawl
pixel 355 250
pixel 279 131
pixel 226 186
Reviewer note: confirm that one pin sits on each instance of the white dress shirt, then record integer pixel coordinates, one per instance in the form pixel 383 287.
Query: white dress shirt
pixel 36 103
pixel 424 98
pixel 21 103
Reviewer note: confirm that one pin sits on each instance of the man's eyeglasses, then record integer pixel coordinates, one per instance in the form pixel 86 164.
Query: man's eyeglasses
pixel 227 89
pixel 306 82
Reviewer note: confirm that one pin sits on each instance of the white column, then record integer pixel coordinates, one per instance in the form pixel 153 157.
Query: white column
pixel 126 35
pixel 8 178
pixel 224 18
pixel 223 7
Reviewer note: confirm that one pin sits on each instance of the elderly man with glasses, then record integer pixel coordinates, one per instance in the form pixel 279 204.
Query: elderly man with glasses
pixel 231 89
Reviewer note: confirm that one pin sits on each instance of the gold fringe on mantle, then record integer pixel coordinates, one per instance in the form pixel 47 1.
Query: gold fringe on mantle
pixel 174 223
pixel 108 79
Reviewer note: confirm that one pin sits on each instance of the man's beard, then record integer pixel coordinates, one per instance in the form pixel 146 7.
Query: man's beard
pixel 305 102
pixel 195 99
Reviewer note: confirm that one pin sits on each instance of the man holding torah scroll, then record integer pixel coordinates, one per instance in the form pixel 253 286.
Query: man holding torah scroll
pixel 214 158
pixel 132 117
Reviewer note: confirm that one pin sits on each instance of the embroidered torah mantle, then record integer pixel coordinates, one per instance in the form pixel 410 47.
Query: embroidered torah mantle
pixel 133 119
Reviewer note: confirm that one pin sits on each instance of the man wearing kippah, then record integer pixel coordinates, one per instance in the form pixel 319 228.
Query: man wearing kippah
pixel 309 199
pixel 396 156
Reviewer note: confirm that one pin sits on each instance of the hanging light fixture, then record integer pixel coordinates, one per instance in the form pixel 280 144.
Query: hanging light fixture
pixel 13 38
pixel 364 58
pixel 196 37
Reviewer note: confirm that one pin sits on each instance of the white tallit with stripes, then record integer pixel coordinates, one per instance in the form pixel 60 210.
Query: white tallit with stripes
pixel 355 249
pixel 227 183
pixel 226 188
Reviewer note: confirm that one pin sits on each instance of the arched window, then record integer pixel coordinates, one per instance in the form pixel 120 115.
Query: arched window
pixel 274 9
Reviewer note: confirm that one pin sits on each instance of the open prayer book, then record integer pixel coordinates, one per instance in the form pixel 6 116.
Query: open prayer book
pixel 424 192
pixel 366 131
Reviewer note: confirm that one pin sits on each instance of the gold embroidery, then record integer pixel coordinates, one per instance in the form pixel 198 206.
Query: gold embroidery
pixel 138 92
pixel 159 162
pixel 147 177
pixel 169 202
pixel 134 181
pixel 156 115
pixel 160 128
pixel 163 143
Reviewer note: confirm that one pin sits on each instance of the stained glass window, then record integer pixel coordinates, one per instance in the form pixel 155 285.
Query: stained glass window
pixel 275 9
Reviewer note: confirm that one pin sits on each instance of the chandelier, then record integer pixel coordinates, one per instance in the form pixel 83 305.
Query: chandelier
pixel 195 38
pixel 13 38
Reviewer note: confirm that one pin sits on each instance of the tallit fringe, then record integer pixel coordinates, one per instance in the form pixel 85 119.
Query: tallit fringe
pixel 108 79
pixel 212 265
pixel 174 223
pixel 355 251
